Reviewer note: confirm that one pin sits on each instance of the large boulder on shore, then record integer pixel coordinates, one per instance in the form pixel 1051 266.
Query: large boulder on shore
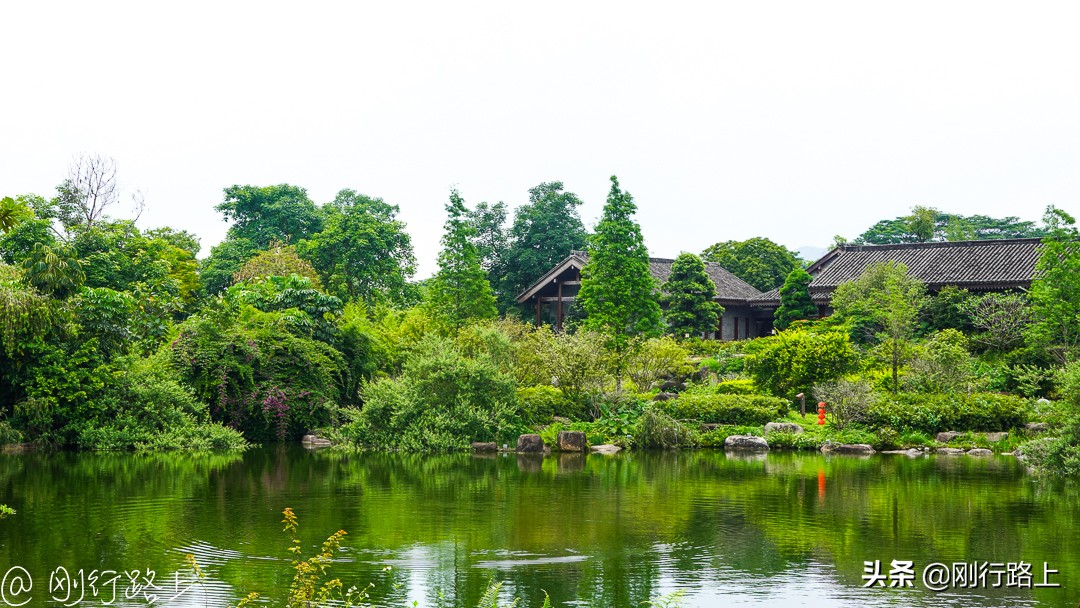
pixel 847 448
pixel 530 444
pixel 946 436
pixel 572 441
pixel 783 427
pixel 746 442
pixel 483 447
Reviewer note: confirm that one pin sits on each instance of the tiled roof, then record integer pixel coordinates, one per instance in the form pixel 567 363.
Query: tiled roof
pixel 728 286
pixel 990 264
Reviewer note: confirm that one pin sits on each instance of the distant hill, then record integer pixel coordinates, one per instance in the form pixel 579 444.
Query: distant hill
pixel 811 253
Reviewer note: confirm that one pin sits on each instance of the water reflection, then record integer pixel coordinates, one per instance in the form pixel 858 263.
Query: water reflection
pixel 755 530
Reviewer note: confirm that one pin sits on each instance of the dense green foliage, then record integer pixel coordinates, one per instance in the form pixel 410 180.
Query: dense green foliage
pixel 931 413
pixel 793 361
pixel 758 261
pixel 442 401
pixel 795 301
pixel 883 302
pixel 1055 292
pixel 690 296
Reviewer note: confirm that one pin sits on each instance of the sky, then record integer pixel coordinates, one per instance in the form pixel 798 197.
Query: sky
pixel 795 121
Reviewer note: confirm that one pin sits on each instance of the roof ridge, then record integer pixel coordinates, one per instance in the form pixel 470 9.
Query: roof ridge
pixel 937 244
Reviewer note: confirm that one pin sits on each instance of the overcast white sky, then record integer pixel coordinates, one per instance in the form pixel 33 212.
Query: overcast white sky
pixel 725 120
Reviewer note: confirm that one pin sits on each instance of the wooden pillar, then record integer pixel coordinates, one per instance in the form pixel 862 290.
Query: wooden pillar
pixel 735 324
pixel 748 328
pixel 538 311
pixel 720 329
pixel 559 313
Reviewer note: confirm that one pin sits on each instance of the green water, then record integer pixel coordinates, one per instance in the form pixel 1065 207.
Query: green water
pixel 781 530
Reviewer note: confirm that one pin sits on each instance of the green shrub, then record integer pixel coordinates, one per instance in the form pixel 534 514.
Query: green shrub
pixel 539 404
pixel 846 401
pixel 794 441
pixel 9 435
pixel 931 413
pixel 794 360
pixel 656 430
pixel 443 401
pixel 726 409
pixel 736 387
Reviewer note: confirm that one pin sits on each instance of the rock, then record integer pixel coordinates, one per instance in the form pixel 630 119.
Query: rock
pixel 484 446
pixel 672 386
pixel 314 441
pixel 995 437
pixel 783 427
pixel 949 451
pixel 664 396
pixel 910 452
pixel 708 426
pixel 847 448
pixel 746 442
pixel 1036 427
pixel 980 452
pixel 530 443
pixel 572 441
pixel 947 436
pixel 606 448
pixel 562 420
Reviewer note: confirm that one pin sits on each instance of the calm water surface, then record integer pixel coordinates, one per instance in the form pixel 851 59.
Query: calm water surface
pixel 781 530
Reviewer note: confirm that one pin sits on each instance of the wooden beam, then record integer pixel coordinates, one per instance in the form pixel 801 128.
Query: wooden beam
pixel 558 313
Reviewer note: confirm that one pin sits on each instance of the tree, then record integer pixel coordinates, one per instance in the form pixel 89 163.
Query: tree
pixel 54 272
pixel 921 222
pixel 263 215
pixel 1004 319
pixel 618 294
pixel 489 235
pixel 279 260
pixel 88 191
pixel 758 261
pixel 226 259
pixel 794 361
pixel 544 232
pixel 690 296
pixel 1055 290
pixel 890 300
pixel 363 251
pixel 926 224
pixel 12 212
pixel 459 291
pixel 795 301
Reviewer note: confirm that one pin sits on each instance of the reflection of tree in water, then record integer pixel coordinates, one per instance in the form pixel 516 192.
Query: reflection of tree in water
pixel 612 531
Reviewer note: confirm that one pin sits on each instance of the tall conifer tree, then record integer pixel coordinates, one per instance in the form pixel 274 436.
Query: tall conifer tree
pixel 460 292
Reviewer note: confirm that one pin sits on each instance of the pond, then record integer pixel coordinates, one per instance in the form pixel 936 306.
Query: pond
pixel 778 530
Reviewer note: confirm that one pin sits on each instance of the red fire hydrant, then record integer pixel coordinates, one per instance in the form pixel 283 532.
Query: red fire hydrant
pixel 821 412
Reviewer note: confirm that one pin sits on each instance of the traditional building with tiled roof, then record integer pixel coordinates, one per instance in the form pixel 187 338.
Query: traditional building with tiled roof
pixel 553 295
pixel 990 265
